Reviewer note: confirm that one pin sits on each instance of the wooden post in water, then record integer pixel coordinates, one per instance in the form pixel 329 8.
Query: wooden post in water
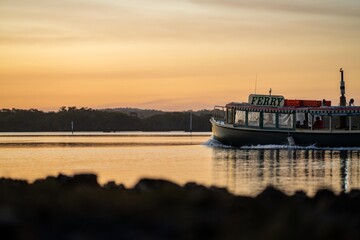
pixel 190 121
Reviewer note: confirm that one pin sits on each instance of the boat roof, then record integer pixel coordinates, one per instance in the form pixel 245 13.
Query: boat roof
pixel 323 110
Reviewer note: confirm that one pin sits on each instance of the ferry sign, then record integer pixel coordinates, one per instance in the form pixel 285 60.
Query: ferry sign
pixel 266 100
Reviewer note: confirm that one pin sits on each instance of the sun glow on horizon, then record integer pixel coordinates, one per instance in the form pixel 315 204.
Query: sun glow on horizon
pixel 174 55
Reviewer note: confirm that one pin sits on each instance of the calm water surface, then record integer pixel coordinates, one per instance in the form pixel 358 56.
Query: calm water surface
pixel 180 157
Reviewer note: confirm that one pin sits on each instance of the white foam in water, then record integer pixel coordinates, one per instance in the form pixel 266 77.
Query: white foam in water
pixel 216 144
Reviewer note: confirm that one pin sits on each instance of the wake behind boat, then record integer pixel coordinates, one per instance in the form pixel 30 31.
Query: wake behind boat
pixel 270 119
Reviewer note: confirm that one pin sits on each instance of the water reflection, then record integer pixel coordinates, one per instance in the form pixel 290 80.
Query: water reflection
pixel 126 158
pixel 248 172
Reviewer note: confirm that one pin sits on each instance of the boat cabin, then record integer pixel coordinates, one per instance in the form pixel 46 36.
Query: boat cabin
pixel 277 113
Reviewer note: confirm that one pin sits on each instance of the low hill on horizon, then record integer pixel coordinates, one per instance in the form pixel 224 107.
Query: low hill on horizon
pixel 146 113
pixel 87 119
pixel 140 113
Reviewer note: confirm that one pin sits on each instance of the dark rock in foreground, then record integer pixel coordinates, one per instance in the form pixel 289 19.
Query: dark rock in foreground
pixel 77 207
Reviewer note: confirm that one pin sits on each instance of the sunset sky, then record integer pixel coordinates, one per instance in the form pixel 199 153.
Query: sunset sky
pixel 175 54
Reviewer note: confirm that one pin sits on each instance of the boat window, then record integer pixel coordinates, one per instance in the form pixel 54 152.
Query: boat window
pixel 269 120
pixel 355 122
pixel 324 123
pixel 254 119
pixel 229 116
pixel 339 123
pixel 286 120
pixel 240 117
pixel 300 117
pixel 303 120
pixel 335 123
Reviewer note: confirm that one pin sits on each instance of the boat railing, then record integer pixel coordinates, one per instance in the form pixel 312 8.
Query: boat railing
pixel 219 113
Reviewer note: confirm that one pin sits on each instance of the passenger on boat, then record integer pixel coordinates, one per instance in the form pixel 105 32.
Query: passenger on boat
pixel 318 124
pixel 305 124
pixel 323 102
pixel 298 125
pixel 351 102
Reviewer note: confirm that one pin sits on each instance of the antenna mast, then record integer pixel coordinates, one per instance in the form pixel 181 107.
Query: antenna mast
pixel 343 119
pixel 255 83
pixel 342 88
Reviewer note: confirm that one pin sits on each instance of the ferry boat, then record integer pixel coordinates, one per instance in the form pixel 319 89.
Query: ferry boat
pixel 272 119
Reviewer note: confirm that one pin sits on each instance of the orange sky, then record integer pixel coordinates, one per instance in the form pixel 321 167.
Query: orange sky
pixel 174 54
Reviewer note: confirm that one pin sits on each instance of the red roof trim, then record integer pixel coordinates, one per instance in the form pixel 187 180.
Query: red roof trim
pixel 249 107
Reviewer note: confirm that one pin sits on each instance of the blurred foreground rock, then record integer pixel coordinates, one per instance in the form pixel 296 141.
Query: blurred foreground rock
pixel 77 207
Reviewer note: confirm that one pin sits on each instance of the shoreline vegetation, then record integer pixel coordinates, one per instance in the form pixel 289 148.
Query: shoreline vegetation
pixel 106 120
pixel 77 207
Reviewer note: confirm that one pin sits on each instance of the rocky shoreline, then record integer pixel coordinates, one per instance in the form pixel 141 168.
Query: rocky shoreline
pixel 77 207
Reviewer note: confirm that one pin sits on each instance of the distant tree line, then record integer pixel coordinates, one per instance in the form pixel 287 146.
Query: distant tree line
pixel 87 119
